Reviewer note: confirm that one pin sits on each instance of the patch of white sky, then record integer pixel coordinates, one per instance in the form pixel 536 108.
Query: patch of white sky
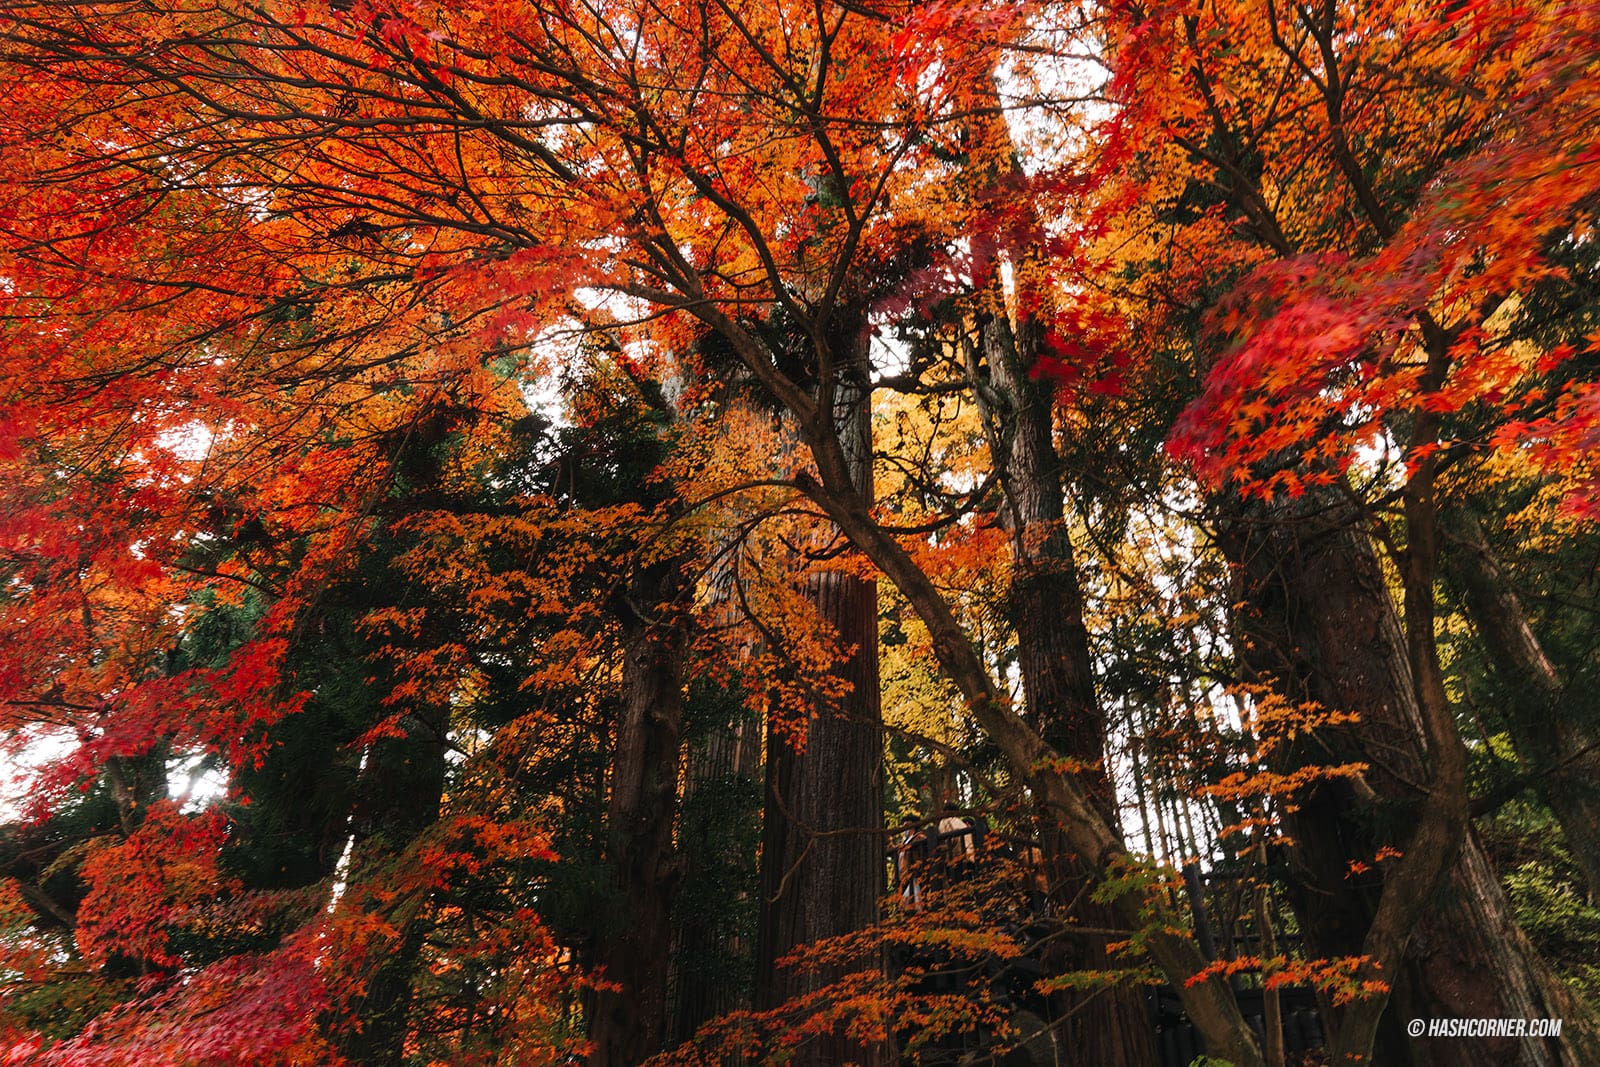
pixel 29 751
pixel 1379 461
pixel 191 442
pixel 551 351
pixel 194 780
pixel 541 387
pixel 1166 548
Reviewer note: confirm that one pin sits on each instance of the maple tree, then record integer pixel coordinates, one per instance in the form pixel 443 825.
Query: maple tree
pixel 283 501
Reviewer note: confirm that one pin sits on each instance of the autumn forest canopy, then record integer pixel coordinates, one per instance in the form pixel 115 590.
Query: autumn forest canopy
pixel 757 532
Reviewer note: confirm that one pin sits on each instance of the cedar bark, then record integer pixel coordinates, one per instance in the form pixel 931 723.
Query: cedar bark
pixel 1044 598
pixel 1318 622
pixel 1109 1026
pixel 1560 756
pixel 628 1018
pixel 822 858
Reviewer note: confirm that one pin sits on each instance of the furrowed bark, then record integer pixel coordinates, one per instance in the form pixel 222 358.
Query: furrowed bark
pixel 721 805
pixel 1318 623
pixel 1044 598
pixel 822 846
pixel 1046 606
pixel 628 1018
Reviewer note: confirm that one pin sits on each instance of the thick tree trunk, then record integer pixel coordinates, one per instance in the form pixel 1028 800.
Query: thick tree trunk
pixel 628 1018
pixel 822 857
pixel 1110 1026
pixel 1318 622
pixel 1560 756
pixel 822 852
